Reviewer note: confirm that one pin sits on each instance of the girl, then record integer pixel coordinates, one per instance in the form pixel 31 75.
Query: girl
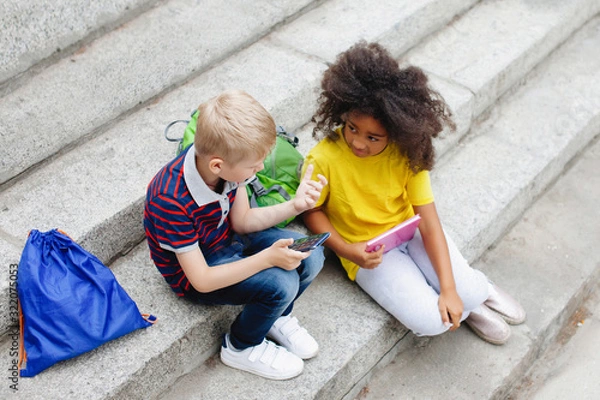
pixel 376 123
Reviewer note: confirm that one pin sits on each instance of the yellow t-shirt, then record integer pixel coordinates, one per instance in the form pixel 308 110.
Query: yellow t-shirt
pixel 366 196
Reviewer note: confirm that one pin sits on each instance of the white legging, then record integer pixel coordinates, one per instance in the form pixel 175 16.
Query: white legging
pixel 406 285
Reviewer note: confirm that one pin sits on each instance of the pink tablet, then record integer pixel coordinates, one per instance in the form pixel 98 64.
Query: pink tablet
pixel 395 236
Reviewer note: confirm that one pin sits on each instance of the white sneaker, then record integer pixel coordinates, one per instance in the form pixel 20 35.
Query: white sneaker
pixel 287 332
pixel 266 359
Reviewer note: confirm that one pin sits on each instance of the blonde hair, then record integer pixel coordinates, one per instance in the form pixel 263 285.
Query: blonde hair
pixel 234 126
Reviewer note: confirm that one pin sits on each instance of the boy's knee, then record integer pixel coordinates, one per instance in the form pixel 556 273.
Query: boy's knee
pixel 281 286
pixel 312 265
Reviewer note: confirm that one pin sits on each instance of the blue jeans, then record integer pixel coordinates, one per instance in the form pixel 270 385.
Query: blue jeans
pixel 266 295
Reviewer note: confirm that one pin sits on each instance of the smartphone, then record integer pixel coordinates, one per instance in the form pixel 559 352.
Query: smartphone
pixel 310 242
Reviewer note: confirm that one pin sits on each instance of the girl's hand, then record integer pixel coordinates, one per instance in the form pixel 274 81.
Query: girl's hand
pixel 451 308
pixel 309 191
pixel 357 254
pixel 280 255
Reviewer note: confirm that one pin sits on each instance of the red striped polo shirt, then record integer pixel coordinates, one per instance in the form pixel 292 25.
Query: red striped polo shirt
pixel 181 213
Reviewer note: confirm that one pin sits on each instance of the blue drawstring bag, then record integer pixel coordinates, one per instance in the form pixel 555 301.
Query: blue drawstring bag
pixel 70 302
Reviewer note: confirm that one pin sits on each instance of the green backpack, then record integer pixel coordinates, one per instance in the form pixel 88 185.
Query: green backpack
pixel 280 178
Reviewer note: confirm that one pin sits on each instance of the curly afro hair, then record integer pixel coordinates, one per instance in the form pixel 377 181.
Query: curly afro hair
pixel 368 80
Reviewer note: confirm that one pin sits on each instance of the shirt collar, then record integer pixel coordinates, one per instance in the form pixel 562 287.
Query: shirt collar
pixel 199 190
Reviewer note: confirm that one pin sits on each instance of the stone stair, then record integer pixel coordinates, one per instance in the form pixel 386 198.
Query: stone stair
pixel 82 137
pixel 122 152
pixel 33 37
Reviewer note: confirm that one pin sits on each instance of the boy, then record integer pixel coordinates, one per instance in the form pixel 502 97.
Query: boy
pixel 212 248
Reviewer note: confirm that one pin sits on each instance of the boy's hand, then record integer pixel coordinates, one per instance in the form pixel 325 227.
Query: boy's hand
pixel 309 191
pixel 369 260
pixel 280 255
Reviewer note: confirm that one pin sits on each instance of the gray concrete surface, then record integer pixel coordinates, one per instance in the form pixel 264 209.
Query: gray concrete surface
pixel 491 46
pixel 569 368
pixel 109 225
pixel 491 170
pixel 524 143
pixel 158 50
pixel 34 30
pixel 161 44
pixel 399 24
pixel 114 171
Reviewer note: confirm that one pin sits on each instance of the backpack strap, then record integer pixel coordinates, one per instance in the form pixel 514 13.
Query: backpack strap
pixel 178 121
pixel 290 137
pixel 179 139
pixel 259 190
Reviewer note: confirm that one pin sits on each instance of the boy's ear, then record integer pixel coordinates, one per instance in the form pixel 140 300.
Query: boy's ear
pixel 215 164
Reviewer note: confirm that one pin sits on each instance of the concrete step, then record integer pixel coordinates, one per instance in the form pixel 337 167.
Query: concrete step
pixel 125 68
pixel 106 219
pixel 32 33
pixel 114 173
pixel 568 367
pixel 159 50
pixel 95 192
pixel 491 49
pixel 549 260
pixel 482 190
